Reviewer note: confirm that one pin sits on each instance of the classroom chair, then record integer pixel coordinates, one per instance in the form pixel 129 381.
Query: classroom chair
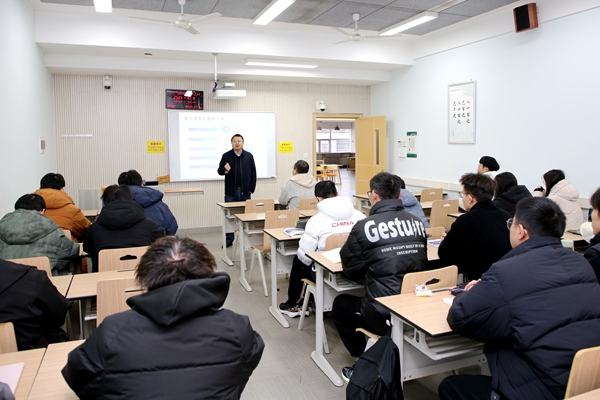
pixel 8 340
pixel 42 263
pixel 112 296
pixel 332 173
pixel 585 372
pixel 320 163
pixel 120 259
pixel 68 234
pixel 309 204
pixel 253 206
pixel 440 210
pixel 273 219
pixel 431 194
pixel 319 173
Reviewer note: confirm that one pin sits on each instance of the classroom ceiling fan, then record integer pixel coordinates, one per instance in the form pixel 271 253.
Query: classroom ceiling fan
pixel 182 22
pixel 356 36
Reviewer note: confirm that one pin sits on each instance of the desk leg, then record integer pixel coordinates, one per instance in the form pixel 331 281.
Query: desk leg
pixel 225 223
pixel 242 237
pixel 398 338
pixel 317 355
pixel 274 309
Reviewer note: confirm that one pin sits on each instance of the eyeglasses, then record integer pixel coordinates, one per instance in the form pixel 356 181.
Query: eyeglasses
pixel 369 193
pixel 509 223
pixel 461 194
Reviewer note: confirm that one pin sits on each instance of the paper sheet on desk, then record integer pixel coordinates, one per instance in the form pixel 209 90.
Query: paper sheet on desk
pixel 333 255
pixel 10 374
pixel 435 242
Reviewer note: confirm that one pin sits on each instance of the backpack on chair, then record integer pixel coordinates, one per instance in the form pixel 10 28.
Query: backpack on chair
pixel 376 374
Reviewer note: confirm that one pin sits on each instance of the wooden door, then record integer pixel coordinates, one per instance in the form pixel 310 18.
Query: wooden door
pixel 370 151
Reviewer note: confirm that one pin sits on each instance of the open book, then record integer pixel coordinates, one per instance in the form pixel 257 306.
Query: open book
pixel 333 255
pixel 294 231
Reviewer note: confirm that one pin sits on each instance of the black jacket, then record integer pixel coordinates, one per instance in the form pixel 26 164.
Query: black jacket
pixel 508 200
pixel 376 253
pixel 175 343
pixel 30 301
pixel 245 163
pixel 592 254
pixel 535 308
pixel 476 239
pixel 120 224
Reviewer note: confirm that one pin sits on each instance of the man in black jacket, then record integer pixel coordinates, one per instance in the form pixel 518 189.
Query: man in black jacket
pixel 535 308
pixel 240 174
pixel 478 238
pixel 380 250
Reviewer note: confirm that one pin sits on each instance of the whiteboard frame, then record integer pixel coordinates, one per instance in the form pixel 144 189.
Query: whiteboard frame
pixel 466 90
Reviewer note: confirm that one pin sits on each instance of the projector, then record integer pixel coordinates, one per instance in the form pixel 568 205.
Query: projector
pixel 228 94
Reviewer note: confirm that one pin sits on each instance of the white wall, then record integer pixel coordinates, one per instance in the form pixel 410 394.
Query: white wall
pixel 26 107
pixel 537 98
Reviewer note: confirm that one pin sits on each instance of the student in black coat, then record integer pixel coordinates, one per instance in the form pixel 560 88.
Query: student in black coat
pixel 592 254
pixel 177 342
pixel 508 192
pixel 121 223
pixel 478 238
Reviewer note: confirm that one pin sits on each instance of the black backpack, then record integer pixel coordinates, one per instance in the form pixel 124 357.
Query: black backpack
pixel 376 374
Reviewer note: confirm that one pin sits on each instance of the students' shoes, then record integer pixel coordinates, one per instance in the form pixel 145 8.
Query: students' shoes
pixel 347 373
pixel 291 311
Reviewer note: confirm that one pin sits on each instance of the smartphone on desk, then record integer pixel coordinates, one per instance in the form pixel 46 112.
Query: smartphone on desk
pixel 456 290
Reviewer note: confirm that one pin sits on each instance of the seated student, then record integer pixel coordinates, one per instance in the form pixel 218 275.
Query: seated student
pixel 30 301
pixel 478 238
pixel 508 192
pixel 299 186
pixel 176 342
pixel 336 216
pixel 592 254
pixel 411 204
pixel 151 200
pixel 535 308
pixel 60 207
pixel 563 193
pixel 26 232
pixel 121 223
pixel 488 166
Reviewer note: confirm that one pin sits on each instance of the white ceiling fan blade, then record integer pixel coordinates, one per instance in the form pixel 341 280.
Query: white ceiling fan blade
pixel 204 18
pixel 344 41
pixel 153 20
pixel 343 32
pixel 191 30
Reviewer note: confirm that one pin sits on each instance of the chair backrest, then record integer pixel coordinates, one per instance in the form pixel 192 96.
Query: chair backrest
pixel 67 234
pixel 117 259
pixel 446 278
pixel 440 210
pixel 259 206
pixel 278 219
pixel 335 241
pixel 435 232
pixel 585 372
pixel 309 204
pixel 8 340
pixel 431 194
pixel 331 170
pixel 41 263
pixel 113 295
pixel 320 162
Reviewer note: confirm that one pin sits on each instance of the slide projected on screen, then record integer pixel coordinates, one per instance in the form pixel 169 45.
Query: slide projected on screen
pixel 198 139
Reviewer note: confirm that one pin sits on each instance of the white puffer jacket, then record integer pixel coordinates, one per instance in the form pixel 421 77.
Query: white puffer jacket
pixel 567 197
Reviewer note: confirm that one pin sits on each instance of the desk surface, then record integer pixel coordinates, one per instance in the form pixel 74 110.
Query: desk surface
pixel 49 382
pixel 280 235
pixel 308 213
pixel 428 314
pixel 90 213
pixel 591 395
pixel 86 285
pixel 62 283
pixel 250 217
pixel 32 360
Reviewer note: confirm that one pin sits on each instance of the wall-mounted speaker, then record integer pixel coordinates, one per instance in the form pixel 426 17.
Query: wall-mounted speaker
pixel 525 17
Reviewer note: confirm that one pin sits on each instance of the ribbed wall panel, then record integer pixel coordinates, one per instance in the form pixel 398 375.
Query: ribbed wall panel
pixel 121 120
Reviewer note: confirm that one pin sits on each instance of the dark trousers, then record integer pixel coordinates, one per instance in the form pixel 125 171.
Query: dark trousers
pixel 299 271
pixel 467 387
pixel 347 317
pixel 238 196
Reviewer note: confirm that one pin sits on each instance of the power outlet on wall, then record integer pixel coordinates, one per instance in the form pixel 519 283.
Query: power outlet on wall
pixel 42 145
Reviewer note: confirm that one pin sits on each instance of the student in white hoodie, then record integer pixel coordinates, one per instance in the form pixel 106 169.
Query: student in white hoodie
pixel 300 186
pixel 336 216
pixel 563 193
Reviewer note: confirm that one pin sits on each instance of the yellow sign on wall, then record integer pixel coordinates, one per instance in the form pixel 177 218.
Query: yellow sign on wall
pixel 286 147
pixel 156 146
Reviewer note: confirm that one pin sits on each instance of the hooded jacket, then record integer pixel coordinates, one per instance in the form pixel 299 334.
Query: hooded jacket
pixel 245 163
pixel 27 233
pixel 535 308
pixel 120 224
pixel 175 343
pixel 567 197
pixel 30 301
pixel 297 187
pixel 508 200
pixel 61 209
pixel 413 206
pixel 154 208
pixel 336 216
pixel 381 249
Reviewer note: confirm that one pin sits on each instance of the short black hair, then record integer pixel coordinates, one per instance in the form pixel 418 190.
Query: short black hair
pixel 595 200
pixel 480 186
pixel 172 259
pixel 116 192
pixel 490 163
pixel 237 135
pixel 325 189
pixel 131 177
pixel 541 216
pixel 301 166
pixel 387 186
pixel 30 201
pixel 52 181
pixel 504 181
pixel 551 178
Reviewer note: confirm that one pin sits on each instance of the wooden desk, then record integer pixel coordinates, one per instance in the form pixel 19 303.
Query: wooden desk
pixel 228 224
pixel 32 360
pixel 62 283
pixel 308 213
pixel 183 192
pixel 455 215
pixel 251 233
pixel 364 205
pixel 283 250
pixel 86 285
pixel 49 382
pixel 592 395
pixel 573 236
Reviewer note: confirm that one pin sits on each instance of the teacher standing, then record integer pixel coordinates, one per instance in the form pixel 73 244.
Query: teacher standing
pixel 240 174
